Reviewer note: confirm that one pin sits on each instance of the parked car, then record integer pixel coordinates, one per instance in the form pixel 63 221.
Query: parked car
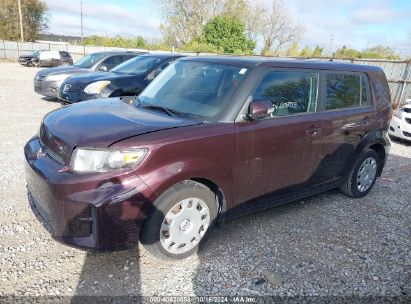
pixel 52 59
pixel 30 59
pixel 48 81
pixel 126 79
pixel 400 126
pixel 209 139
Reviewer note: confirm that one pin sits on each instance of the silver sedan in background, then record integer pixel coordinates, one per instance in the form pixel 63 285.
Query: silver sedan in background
pixel 47 81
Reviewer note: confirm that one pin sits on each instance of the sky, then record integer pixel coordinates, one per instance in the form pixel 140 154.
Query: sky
pixel 328 23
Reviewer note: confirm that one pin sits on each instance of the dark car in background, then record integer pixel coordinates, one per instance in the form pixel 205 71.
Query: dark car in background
pixel 127 79
pixel 210 138
pixel 30 59
pixel 47 81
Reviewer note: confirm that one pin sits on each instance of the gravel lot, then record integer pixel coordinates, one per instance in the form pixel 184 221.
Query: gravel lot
pixel 328 245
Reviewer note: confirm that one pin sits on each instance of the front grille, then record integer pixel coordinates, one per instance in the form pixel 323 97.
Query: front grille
pixel 53 146
pixel 54 156
pixel 51 154
pixel 408 120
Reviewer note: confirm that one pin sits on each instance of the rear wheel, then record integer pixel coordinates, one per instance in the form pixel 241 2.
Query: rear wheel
pixel 180 220
pixel 363 175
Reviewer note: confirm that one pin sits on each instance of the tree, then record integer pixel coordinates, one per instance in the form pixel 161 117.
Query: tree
pixel 306 52
pixel 380 52
pixel 317 52
pixel 293 50
pixel 34 19
pixel 118 41
pixel 274 25
pixel 228 33
pixel 346 52
pixel 183 20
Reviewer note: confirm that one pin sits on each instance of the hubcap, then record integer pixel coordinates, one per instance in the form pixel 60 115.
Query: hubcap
pixel 366 174
pixel 184 225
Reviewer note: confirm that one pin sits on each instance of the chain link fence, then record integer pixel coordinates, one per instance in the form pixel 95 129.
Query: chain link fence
pixel 397 71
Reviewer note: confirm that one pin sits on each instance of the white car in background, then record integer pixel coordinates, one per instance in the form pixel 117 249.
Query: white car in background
pixel 400 126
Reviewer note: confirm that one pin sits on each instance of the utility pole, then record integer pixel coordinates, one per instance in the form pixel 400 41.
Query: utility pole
pixel 331 45
pixel 81 19
pixel 21 21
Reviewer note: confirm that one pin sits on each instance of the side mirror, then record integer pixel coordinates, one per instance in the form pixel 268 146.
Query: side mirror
pixel 260 109
pixel 102 68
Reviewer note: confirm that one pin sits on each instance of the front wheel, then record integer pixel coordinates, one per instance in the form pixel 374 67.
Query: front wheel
pixel 363 175
pixel 179 221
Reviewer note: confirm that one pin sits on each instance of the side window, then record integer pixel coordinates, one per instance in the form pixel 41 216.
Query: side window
pixel 113 61
pixel 162 66
pixel 346 91
pixel 290 92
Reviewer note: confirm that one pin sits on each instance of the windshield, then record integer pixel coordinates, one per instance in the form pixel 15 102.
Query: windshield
pixel 88 61
pixel 194 88
pixel 137 66
pixel 36 53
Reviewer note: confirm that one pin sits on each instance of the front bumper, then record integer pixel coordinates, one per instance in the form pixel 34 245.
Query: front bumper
pixel 400 128
pixel 25 60
pixel 87 210
pixel 47 88
pixel 76 96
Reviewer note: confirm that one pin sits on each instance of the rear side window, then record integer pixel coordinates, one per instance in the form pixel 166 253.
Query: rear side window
pixel 290 92
pixel 115 60
pixel 346 91
pixel 64 54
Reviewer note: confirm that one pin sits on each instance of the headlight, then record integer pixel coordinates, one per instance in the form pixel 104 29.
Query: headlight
pixel 92 160
pixel 57 77
pixel 96 87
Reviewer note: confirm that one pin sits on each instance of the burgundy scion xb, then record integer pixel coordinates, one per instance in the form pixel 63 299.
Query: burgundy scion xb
pixel 209 139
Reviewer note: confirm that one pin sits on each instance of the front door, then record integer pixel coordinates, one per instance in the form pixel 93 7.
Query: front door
pixel 280 151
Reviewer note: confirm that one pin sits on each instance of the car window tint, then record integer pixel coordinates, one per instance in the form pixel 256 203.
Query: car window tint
pixel 345 91
pixel 290 92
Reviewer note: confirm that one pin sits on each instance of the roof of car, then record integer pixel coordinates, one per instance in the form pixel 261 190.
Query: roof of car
pixel 252 61
pixel 118 52
pixel 163 55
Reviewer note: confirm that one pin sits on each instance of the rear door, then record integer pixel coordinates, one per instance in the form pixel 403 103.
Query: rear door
pixel 280 151
pixel 347 115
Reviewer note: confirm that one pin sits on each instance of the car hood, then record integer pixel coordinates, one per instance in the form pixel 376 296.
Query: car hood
pixel 100 123
pixel 88 78
pixel 63 70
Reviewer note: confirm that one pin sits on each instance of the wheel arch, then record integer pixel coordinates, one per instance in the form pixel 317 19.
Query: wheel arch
pixel 222 205
pixel 376 141
pixel 378 147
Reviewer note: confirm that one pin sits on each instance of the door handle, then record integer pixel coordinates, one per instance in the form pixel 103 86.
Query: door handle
pixel 313 131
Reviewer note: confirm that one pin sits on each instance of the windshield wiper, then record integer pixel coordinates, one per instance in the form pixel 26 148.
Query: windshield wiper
pixel 156 108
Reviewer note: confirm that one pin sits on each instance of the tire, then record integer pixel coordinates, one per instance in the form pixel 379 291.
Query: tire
pixel 356 184
pixel 179 214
